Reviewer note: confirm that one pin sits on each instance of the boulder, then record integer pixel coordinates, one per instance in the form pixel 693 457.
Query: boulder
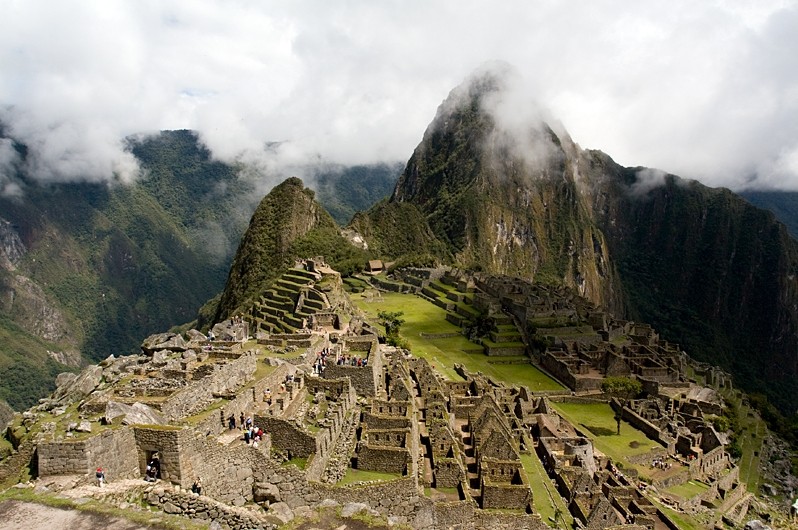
pixel 64 378
pixel 80 387
pixel 85 426
pixel 279 513
pixel 265 491
pixel 137 413
pixel 163 341
pixel 195 336
pixel 352 508
pixel 107 361
pixel 756 524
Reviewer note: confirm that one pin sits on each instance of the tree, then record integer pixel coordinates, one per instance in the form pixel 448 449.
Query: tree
pixel 622 388
pixel 392 321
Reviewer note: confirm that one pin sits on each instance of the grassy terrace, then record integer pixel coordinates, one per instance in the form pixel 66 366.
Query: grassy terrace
pixel 358 475
pixel 544 493
pixel 689 489
pixel 752 431
pixel 598 420
pixel 422 316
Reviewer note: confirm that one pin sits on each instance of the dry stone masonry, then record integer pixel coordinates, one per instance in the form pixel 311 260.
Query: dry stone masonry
pixel 331 400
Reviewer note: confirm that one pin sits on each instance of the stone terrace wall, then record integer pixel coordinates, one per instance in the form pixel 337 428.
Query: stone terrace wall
pixel 113 450
pixel 363 378
pixel 226 378
pixel 226 472
pixel 287 436
pixel 205 508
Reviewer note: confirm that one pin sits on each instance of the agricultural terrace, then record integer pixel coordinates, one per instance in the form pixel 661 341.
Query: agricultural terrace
pixel 423 319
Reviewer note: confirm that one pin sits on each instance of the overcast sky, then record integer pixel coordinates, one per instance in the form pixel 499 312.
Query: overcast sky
pixel 706 90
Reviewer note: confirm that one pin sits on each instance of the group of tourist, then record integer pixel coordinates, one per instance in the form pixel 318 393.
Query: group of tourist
pixel 353 360
pixel 659 463
pixel 253 434
pixel 321 361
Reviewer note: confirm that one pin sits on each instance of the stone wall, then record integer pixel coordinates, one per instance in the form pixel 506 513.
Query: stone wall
pixel 364 379
pixel 505 496
pixel 383 458
pixel 225 378
pixel 166 441
pixel 648 428
pixel 226 472
pixel 204 508
pixel 287 437
pixel 113 450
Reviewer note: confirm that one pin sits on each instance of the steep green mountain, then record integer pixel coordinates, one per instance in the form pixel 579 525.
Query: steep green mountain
pixel 520 198
pixel 288 224
pixel 501 199
pixel 783 204
pixel 90 269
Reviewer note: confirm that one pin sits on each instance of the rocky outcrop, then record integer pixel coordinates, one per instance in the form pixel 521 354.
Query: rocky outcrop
pixel 77 388
pixel 135 414
pixel 172 342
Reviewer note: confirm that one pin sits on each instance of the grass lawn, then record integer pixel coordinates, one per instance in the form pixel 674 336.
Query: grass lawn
pixel 360 475
pixel 599 420
pixel 545 497
pixel 422 316
pixel 689 489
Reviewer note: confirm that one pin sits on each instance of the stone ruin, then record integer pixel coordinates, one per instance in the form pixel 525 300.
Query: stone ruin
pixel 454 450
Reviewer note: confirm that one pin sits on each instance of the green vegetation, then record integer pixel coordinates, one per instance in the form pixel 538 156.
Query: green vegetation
pixel 689 489
pixel 423 318
pixel 547 500
pixel 392 322
pixel 623 389
pixel 598 420
pixel 359 475
pixel 346 190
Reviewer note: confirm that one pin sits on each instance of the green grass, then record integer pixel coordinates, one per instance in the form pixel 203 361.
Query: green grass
pixel 598 419
pixel 689 489
pixel 682 520
pixel 422 316
pixel 545 497
pixel 359 475
pixel 752 432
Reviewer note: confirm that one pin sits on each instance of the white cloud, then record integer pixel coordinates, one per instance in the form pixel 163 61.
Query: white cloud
pixel 706 90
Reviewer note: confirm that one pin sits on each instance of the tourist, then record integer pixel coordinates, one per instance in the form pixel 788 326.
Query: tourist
pixel 241 420
pixel 231 421
pixel 100 474
pixel 197 486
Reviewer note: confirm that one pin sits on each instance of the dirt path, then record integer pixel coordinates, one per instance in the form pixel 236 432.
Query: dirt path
pixel 16 515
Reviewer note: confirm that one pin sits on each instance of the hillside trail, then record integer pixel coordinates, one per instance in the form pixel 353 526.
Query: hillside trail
pixel 80 487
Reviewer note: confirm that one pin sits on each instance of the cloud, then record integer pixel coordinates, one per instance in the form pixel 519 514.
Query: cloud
pixel 9 161
pixel 706 90
pixel 646 180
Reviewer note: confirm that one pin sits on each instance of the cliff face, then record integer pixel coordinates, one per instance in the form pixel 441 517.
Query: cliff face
pixel 709 271
pixel 505 196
